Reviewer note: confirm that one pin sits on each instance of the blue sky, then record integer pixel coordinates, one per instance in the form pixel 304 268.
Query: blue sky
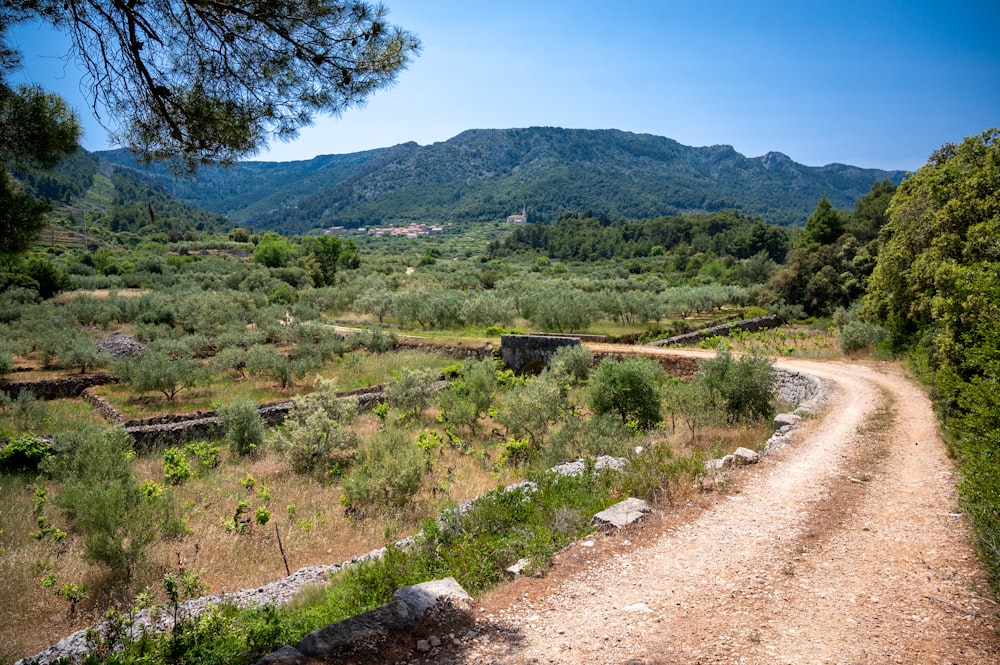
pixel 875 84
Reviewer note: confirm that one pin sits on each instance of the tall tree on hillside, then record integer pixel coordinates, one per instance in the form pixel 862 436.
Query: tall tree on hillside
pixel 824 225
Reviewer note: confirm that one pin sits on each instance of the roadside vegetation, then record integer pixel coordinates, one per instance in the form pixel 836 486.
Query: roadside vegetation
pixel 230 323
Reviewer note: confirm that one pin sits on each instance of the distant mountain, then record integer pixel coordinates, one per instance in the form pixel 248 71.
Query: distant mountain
pixel 487 174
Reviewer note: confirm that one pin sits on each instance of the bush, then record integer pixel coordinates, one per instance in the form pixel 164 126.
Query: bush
pixel 23 453
pixel 243 426
pixel 176 469
pixel 390 473
pixel 469 397
pixel 630 388
pixel 412 391
pixel 531 408
pixel 316 435
pixel 572 362
pixel 858 335
pixel 102 498
pixel 745 385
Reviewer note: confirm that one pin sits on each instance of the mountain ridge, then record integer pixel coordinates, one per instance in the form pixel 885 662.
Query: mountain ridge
pixel 486 174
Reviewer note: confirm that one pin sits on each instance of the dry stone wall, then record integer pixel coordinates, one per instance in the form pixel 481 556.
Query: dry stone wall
pixel 748 325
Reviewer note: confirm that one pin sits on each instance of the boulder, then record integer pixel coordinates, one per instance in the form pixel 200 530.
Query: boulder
pixel 786 420
pixel 743 456
pixel 622 513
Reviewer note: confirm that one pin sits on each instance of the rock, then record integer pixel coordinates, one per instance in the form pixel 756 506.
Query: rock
pixel 370 626
pixel 743 456
pixel 518 568
pixel 434 641
pixel 622 513
pixel 286 655
pixel 786 420
pixel 421 597
pixel 423 646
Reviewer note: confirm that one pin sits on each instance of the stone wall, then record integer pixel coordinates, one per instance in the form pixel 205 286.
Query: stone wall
pixel 161 432
pixel 459 351
pixel 795 387
pixel 748 325
pixel 70 386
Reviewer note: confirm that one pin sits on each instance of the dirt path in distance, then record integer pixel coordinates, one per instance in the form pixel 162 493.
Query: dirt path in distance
pixel 843 547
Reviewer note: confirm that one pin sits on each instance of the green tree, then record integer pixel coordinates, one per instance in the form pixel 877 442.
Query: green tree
pixel 156 371
pixel 532 408
pixel 824 225
pixel 273 251
pixel 469 397
pixel 37 130
pixel 217 81
pixel 745 385
pixel 324 253
pixel 937 287
pixel 871 212
pixel 631 388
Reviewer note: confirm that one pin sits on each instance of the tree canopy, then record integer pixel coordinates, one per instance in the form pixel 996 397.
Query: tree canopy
pixel 215 80
pixel 937 287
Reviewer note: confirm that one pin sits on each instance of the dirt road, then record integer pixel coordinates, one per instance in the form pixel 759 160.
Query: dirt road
pixel 844 547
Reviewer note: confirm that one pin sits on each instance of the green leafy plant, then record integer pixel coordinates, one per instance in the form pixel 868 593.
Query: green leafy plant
pixel 176 468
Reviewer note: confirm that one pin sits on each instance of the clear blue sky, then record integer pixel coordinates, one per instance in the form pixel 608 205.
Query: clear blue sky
pixel 875 84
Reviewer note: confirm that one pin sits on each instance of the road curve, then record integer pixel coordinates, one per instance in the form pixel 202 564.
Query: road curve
pixel 844 547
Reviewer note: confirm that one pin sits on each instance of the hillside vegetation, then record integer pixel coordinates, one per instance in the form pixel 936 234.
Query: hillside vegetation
pixel 487 174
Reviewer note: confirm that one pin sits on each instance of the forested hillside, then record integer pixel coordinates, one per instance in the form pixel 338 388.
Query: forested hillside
pixel 115 199
pixel 487 174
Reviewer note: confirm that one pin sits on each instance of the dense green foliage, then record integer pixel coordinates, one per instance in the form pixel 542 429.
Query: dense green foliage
pixel 630 388
pixel 937 288
pixel 834 256
pixel 726 233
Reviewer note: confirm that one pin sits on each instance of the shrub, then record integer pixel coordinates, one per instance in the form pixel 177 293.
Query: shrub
pixel 531 408
pixel 469 396
pixel 23 453
pixel 176 469
pixel 103 499
pixel 206 452
pixel 389 474
pixel 745 385
pixel 315 434
pixel 630 387
pixel 243 426
pixel 858 335
pixel 412 391
pixel 572 362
